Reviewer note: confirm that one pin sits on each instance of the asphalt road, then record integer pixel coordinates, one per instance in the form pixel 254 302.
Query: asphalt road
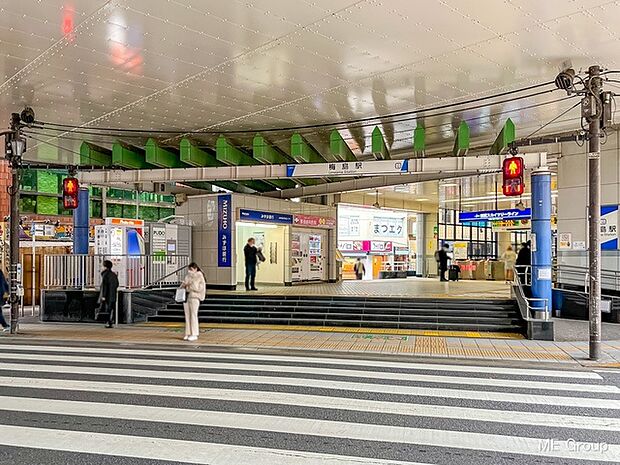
pixel 137 405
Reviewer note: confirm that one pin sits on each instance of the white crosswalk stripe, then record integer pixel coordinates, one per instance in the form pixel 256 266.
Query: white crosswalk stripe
pixel 158 406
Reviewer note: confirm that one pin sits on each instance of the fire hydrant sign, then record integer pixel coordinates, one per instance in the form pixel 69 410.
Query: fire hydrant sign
pixel 609 227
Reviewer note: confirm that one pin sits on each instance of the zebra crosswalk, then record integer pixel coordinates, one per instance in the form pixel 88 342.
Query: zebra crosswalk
pixel 132 405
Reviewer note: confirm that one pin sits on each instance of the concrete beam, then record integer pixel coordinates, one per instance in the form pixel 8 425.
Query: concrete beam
pixel 379 147
pixel 339 148
pixel 164 157
pixel 461 142
pixel 419 141
pixel 93 155
pixel 303 152
pixel 193 155
pixel 130 157
pixel 506 136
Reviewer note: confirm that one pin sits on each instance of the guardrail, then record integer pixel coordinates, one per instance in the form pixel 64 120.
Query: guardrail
pixel 580 276
pixel 134 271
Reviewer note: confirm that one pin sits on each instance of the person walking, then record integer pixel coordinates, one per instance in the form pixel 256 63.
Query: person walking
pixel 509 257
pixel 4 289
pixel 250 252
pixel 359 269
pixel 195 288
pixel 107 294
pixel 442 261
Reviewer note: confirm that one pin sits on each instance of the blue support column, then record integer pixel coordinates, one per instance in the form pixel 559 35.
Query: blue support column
pixel 541 241
pixel 81 223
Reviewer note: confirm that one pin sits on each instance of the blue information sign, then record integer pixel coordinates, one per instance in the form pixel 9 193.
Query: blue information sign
pixel 224 236
pixel 265 217
pixel 489 215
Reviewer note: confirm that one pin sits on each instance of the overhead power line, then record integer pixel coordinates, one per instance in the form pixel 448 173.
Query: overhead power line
pixel 411 114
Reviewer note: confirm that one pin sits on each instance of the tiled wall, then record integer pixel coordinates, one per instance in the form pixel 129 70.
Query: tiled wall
pixel 202 211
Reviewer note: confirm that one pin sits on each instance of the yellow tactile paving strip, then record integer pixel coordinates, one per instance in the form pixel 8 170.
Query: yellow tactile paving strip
pixel 341 329
pixel 452 345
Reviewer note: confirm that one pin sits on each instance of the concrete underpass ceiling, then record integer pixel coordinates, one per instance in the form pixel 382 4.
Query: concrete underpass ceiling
pixel 251 66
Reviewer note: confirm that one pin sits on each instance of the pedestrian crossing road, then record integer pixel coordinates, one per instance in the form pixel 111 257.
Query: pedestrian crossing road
pixel 129 405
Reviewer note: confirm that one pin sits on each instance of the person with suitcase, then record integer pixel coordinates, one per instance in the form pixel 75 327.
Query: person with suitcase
pixel 442 261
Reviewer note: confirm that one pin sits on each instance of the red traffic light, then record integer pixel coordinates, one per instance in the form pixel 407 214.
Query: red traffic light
pixel 512 171
pixel 513 167
pixel 70 188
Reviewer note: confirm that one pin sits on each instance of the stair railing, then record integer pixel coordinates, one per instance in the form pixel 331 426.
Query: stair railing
pixel 530 307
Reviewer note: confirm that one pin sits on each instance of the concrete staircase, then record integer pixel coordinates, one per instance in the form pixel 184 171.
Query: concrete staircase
pixel 350 311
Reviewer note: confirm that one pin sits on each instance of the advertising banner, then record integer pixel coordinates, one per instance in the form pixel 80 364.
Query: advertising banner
pixel 224 236
pixel 488 215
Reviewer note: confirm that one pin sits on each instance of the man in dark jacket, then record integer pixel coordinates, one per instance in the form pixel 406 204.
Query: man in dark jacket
pixel 442 261
pixel 524 261
pixel 250 252
pixel 107 295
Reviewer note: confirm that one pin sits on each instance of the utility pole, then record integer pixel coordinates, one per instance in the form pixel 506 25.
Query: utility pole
pixel 592 110
pixel 14 151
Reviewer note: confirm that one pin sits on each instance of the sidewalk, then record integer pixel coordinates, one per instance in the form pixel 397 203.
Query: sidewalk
pixel 360 341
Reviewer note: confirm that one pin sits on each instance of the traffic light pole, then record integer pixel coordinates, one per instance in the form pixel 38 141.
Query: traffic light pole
pixel 594 194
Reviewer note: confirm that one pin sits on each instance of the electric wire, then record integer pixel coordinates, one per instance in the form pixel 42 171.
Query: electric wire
pixel 73 128
pixel 554 119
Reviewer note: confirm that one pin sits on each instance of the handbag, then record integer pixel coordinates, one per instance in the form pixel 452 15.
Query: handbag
pixel 260 256
pixel 180 295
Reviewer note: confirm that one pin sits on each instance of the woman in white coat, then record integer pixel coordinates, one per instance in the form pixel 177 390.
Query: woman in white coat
pixel 195 287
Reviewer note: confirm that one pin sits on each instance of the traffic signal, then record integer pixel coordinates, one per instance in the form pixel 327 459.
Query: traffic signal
pixel 512 172
pixel 70 188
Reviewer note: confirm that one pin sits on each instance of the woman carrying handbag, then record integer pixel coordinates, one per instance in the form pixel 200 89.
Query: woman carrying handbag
pixel 195 291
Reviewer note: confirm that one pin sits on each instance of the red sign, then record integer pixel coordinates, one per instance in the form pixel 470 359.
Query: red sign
pixel 314 221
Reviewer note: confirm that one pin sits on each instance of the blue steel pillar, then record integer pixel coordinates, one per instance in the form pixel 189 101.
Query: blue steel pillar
pixel 81 223
pixel 541 242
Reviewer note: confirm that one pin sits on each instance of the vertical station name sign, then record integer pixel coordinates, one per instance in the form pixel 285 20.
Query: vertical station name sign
pixel 224 236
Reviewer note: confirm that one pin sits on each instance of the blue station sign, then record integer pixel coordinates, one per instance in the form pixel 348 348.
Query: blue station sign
pixel 265 217
pixel 490 215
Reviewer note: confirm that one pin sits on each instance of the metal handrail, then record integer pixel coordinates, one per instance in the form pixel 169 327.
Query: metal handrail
pixel 610 279
pixel 163 278
pixel 525 303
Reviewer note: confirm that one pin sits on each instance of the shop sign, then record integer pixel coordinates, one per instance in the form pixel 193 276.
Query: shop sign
pixel 509 225
pixel 488 215
pixel 348 168
pixel 387 226
pixel 365 246
pixel 265 217
pixel 380 246
pixel 224 241
pixel 125 222
pixel 314 221
pixel 609 227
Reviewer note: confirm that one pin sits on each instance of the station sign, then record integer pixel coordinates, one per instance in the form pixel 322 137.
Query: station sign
pixel 224 233
pixel 348 168
pixel 491 215
pixel 609 227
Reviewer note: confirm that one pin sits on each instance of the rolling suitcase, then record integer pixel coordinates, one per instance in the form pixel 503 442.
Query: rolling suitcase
pixel 453 272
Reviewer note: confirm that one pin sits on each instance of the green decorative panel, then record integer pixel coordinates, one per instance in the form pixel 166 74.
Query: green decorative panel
pixel 129 157
pixel 47 205
pixel 230 155
pixel 95 209
pixel 114 210
pixel 193 155
pixel 166 212
pixel 27 204
pixel 47 181
pixel 379 148
pixel 506 137
pixel 129 211
pixel 149 213
pixel 29 180
pixel 461 143
pixel 303 152
pixel 419 140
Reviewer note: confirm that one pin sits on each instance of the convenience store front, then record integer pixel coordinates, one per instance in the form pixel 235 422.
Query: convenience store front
pixel 379 237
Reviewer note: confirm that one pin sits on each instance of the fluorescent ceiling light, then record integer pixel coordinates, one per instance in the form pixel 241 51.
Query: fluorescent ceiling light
pixel 422 200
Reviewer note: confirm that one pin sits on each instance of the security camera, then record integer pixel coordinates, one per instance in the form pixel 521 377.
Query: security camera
pixel 564 80
pixel 27 116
